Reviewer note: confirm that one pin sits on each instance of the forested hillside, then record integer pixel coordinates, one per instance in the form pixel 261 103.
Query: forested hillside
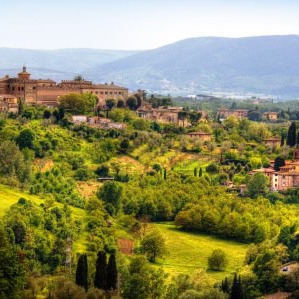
pixel 144 211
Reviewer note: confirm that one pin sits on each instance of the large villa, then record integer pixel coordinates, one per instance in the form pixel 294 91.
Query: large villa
pixel 47 92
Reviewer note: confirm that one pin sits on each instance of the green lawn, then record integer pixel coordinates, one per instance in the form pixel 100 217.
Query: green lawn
pixel 188 252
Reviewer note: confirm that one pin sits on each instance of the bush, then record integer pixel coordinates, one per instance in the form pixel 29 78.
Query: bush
pixel 212 168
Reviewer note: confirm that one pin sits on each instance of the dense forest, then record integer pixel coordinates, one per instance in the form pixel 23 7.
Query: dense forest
pixel 71 193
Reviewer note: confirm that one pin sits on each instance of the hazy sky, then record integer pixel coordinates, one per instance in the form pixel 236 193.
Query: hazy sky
pixel 138 24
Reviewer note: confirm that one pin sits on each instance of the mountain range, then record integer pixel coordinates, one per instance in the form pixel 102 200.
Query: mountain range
pixel 263 65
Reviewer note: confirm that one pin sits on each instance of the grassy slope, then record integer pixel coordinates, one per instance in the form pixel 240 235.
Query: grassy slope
pixel 188 252
pixel 9 196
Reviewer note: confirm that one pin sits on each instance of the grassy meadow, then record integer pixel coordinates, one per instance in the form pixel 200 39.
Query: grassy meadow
pixel 188 252
pixel 10 196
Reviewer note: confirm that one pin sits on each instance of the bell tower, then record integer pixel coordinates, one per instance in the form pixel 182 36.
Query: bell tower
pixel 24 75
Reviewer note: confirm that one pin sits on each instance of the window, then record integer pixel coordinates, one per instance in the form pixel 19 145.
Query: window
pixel 106 92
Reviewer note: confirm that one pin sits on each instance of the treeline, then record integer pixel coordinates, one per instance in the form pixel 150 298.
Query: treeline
pixel 233 217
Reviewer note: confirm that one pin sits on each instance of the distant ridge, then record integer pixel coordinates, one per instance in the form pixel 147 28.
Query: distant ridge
pixel 266 64
pixel 262 64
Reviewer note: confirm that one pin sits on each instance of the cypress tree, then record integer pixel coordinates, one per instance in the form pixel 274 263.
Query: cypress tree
pixel 225 286
pixel 291 138
pixel 111 273
pixel 165 174
pixel 237 289
pixel 200 172
pixel 100 280
pixel 82 272
pixel 279 162
pixel 195 171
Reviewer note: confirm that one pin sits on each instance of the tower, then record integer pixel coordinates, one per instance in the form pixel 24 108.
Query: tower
pixel 24 75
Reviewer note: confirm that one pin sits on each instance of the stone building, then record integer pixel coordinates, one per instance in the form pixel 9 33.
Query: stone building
pixel 240 113
pixel 161 114
pixel 47 92
pixel 200 135
pixel 8 103
pixel 287 177
pixel 272 116
pixel 272 142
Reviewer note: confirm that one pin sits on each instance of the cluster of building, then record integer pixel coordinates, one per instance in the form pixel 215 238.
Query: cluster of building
pixel 243 113
pixel 165 114
pixel 161 114
pixel 47 92
pixel 97 122
pixel 286 177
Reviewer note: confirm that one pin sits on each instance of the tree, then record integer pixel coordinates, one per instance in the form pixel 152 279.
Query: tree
pixel 195 171
pixel 237 289
pixel 217 260
pixel 100 280
pixel 110 193
pixel 47 114
pixel 82 272
pixel 182 115
pixel 78 103
pixel 132 102
pixel 200 172
pixel 225 286
pixel 279 162
pixel 11 159
pixel 153 246
pixel 124 145
pixel 291 137
pixel 25 139
pixel 120 104
pixel 143 281
pixel 194 118
pixel 257 185
pixel 78 78
pixel 254 115
pixel 102 171
pixel 12 274
pixel 111 273
pixel 110 103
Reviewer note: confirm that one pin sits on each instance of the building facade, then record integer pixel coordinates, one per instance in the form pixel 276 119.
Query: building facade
pixel 47 92
pixel 240 113
pixel 286 178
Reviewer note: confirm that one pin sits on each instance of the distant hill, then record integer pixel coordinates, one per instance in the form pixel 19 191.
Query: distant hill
pixel 56 64
pixel 267 64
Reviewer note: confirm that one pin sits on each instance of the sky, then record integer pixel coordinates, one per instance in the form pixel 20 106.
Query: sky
pixel 138 24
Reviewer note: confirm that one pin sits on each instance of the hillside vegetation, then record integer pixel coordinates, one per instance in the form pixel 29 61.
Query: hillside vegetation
pixel 163 212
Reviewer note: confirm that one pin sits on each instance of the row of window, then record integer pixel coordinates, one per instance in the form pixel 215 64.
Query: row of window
pixel 21 88
pixel 106 92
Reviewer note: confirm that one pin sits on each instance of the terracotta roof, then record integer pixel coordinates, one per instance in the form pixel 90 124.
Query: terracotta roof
pixel 291 173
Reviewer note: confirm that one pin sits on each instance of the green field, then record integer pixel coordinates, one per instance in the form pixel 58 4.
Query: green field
pixel 188 252
pixel 9 196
